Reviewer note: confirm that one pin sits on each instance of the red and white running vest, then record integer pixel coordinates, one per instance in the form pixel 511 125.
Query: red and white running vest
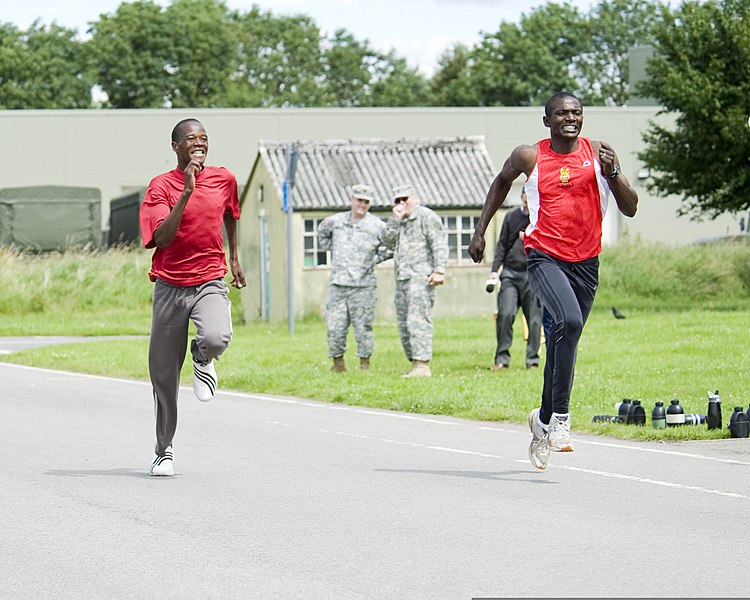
pixel 567 196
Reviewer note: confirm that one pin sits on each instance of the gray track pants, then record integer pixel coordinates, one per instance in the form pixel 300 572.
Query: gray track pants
pixel 208 306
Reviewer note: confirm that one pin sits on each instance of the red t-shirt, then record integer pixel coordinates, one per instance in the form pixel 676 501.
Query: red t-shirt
pixel 567 196
pixel 196 255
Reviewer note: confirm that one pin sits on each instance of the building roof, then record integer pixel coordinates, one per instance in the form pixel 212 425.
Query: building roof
pixel 445 173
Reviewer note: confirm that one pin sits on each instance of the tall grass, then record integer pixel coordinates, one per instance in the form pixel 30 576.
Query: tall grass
pixel 643 275
pixel 83 292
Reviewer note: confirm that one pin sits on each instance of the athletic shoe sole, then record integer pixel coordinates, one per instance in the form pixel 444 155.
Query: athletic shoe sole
pixel 537 461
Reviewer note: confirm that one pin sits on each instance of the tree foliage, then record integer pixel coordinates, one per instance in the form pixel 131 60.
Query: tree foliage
pixel 43 67
pixel 276 62
pixel 198 53
pixel 149 57
pixel 524 64
pixel 203 43
pixel 451 86
pixel 613 28
pixel 553 47
pixel 132 49
pixel 700 72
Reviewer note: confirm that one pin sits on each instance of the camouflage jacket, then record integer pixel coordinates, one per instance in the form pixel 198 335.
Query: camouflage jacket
pixel 419 243
pixel 356 247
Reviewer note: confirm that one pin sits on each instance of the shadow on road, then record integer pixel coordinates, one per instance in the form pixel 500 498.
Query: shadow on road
pixel 492 475
pixel 139 473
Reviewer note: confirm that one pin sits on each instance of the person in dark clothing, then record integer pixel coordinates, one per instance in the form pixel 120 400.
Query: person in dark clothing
pixel 515 292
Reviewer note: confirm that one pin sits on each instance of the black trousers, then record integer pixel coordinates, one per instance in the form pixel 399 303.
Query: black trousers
pixel 567 291
pixel 515 293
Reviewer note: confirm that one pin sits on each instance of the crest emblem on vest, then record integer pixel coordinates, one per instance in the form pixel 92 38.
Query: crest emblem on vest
pixel 564 175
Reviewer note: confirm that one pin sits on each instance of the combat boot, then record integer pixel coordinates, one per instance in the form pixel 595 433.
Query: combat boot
pixel 420 368
pixel 338 364
pixel 364 363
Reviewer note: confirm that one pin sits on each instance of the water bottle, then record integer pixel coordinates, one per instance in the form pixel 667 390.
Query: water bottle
pixel 622 409
pixel 675 414
pixel 695 419
pixel 739 424
pixel 659 416
pixel 636 414
pixel 714 410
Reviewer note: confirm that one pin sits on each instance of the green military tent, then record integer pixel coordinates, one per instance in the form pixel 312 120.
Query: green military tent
pixel 50 217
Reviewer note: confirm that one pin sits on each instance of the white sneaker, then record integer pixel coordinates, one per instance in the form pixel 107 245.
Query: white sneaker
pixel 204 380
pixel 163 465
pixel 539 446
pixel 559 433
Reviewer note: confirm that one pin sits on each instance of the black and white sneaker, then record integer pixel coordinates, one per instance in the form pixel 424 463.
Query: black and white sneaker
pixel 163 465
pixel 204 380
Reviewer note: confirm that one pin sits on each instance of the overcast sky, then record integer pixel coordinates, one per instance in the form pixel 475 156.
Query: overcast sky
pixel 419 30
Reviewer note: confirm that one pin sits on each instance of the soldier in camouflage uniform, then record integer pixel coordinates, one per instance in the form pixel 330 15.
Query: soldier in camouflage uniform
pixel 415 234
pixel 354 238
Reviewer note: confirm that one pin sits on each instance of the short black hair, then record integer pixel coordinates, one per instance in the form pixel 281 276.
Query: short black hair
pixel 555 97
pixel 178 128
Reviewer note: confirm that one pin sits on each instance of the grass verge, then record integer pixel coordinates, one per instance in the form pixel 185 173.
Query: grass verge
pixel 648 356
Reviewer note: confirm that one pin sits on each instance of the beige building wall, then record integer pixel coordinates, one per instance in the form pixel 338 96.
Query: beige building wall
pixel 462 295
pixel 121 150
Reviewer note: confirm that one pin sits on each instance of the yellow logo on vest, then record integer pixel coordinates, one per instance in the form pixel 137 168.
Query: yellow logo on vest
pixel 564 175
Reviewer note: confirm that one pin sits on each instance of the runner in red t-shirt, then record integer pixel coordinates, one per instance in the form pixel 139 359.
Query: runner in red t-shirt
pixel 181 217
pixel 568 182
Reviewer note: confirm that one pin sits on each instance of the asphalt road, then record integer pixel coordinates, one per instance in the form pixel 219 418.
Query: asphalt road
pixel 289 498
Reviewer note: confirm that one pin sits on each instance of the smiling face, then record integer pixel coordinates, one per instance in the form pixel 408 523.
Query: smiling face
pixel 190 142
pixel 360 206
pixel 564 117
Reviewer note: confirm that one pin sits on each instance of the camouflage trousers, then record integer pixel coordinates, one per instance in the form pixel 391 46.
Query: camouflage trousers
pixel 414 301
pixel 355 306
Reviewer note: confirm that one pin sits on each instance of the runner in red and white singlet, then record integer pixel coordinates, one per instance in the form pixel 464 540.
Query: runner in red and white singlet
pixel 569 180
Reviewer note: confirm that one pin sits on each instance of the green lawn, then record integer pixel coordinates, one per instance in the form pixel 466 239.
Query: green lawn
pixel 686 331
pixel 648 356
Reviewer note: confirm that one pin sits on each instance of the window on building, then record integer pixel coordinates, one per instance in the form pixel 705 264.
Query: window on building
pixel 459 230
pixel 314 256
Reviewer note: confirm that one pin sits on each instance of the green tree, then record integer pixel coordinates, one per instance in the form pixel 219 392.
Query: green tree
pixel 202 52
pixel 524 64
pixel 42 67
pixel 354 74
pixel 345 75
pixel 613 28
pixel 700 73
pixel 286 61
pixel 133 54
pixel 451 83
pixel 395 83
pixel 278 61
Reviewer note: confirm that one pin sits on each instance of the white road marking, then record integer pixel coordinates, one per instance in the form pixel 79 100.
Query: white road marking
pixel 660 451
pixel 657 482
pixel 638 448
pixel 441 422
